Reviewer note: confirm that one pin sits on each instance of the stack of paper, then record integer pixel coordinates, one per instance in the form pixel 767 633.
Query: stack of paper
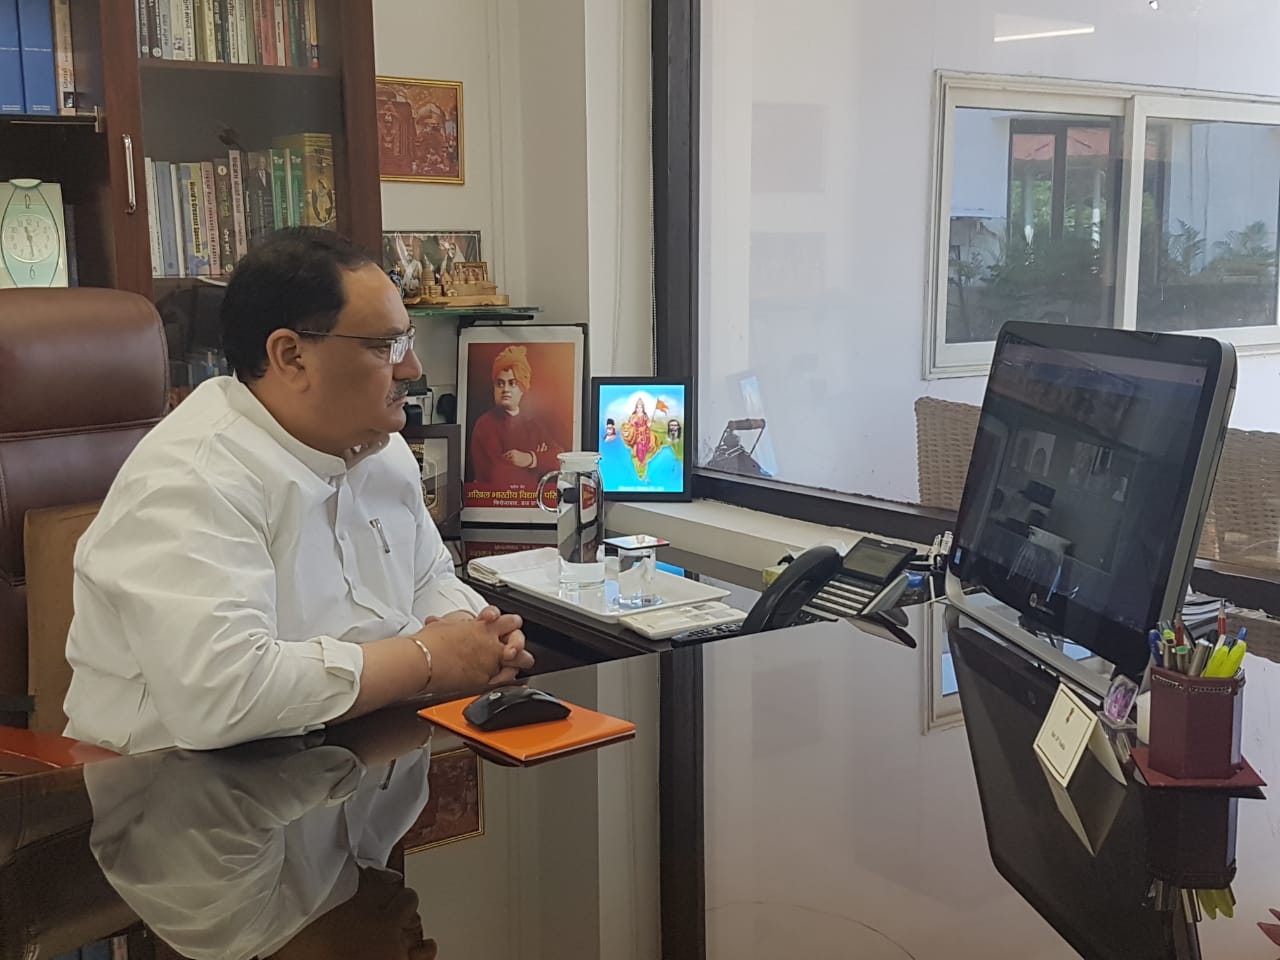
pixel 495 570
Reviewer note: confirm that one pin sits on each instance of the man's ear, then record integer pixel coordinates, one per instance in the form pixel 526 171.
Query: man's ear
pixel 286 357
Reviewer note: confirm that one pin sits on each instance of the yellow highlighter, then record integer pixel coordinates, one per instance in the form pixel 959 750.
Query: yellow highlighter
pixel 1230 664
pixel 1217 662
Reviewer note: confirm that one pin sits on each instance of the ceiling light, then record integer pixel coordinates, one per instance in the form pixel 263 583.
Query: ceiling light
pixel 1153 4
pixel 1047 34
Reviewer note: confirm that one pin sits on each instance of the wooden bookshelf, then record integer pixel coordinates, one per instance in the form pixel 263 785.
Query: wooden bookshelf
pixel 134 107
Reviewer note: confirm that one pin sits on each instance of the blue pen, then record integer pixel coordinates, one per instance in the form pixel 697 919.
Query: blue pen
pixel 1153 641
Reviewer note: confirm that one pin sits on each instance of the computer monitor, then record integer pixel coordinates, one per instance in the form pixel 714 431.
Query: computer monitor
pixel 1090 477
pixel 644 431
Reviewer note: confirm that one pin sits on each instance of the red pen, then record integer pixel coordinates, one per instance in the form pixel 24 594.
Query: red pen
pixel 1177 630
pixel 1222 618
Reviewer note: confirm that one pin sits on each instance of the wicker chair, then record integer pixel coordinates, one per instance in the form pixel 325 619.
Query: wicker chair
pixel 945 432
pixel 1244 514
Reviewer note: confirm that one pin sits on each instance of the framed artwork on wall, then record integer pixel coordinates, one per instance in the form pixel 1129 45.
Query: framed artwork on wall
pixel 520 391
pixel 421 257
pixel 420 136
pixel 455 807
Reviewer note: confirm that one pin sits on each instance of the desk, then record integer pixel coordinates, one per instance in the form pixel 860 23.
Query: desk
pixel 785 796
pixel 560 639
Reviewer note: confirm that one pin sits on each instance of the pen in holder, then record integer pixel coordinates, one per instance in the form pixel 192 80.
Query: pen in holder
pixel 1195 725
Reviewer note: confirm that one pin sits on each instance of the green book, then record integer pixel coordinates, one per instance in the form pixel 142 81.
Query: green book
pixel 297 187
pixel 280 189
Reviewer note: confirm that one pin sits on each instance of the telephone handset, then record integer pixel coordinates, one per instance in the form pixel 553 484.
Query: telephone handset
pixel 797 584
pixel 868 579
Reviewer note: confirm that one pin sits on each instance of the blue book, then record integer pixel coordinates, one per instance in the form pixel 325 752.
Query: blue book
pixel 12 98
pixel 168 228
pixel 39 78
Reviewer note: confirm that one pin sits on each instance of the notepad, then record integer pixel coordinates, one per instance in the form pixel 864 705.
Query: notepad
pixel 583 729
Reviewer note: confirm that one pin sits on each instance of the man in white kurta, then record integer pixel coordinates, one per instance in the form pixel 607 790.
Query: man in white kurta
pixel 263 563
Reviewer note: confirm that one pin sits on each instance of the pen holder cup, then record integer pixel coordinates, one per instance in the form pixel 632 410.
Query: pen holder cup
pixel 1191 837
pixel 1195 725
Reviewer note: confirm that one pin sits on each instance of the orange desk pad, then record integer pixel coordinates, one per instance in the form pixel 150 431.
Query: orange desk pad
pixel 583 729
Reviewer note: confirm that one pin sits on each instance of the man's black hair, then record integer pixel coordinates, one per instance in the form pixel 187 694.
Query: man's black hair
pixel 292 280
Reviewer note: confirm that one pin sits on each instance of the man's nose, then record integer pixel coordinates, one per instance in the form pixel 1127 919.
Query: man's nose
pixel 410 368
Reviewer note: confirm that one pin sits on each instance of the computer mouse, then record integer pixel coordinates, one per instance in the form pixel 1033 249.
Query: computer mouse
pixel 513 707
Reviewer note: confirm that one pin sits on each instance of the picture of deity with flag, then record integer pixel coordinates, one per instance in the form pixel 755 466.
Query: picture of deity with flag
pixel 641 434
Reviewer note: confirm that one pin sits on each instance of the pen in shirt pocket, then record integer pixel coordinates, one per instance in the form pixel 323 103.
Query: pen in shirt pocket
pixel 377 528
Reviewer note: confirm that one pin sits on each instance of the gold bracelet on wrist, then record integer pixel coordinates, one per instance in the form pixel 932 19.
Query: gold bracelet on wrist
pixel 430 668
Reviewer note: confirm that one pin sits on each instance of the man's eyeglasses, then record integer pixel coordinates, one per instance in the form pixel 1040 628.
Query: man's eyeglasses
pixel 397 347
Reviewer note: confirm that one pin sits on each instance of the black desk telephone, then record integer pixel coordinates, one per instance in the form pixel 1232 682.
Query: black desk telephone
pixel 868 579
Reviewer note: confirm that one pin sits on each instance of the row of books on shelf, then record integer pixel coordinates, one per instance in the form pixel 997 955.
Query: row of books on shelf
pixel 205 215
pixel 283 33
pixel 37 64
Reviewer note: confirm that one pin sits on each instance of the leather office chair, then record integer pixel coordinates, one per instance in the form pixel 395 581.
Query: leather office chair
pixel 83 376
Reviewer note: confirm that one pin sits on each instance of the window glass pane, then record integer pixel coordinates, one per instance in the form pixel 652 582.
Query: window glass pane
pixel 1032 227
pixel 1210 202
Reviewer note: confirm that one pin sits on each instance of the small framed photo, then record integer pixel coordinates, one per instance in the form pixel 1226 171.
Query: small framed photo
pixel 520 396
pixel 455 808
pixel 438 450
pixel 421 257
pixel 420 130
pixel 641 425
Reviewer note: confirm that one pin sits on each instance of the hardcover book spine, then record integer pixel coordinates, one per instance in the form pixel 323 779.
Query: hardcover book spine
pixel 297 190
pixel 144 36
pixel 153 219
pixel 169 248
pixel 235 164
pixel 64 57
pixel 209 196
pixel 313 35
pixel 265 30
pixel 226 216
pixel 279 189
pixel 189 28
pixel 39 81
pixel 164 12
pixel 207 37
pixel 258 188
pixel 178 36
pixel 193 220
pixel 221 14
pixel 277 32
pixel 12 97
pixel 153 28
pixel 177 194
pixel 297 35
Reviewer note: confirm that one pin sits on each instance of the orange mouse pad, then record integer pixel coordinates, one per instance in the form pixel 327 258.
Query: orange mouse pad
pixel 581 730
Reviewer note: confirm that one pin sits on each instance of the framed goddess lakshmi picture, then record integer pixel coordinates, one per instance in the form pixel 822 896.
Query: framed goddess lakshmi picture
pixel 420 130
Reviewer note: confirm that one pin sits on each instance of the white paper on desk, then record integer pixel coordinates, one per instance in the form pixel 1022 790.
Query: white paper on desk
pixel 495 570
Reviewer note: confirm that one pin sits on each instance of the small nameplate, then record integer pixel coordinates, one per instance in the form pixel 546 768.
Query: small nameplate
pixel 1065 735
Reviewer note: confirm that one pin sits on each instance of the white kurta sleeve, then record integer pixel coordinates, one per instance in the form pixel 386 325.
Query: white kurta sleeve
pixel 437 589
pixel 189 574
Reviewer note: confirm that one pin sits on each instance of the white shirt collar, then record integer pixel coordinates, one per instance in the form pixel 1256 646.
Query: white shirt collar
pixel 324 465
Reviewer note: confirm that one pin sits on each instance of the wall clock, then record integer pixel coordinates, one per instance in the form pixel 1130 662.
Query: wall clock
pixel 33 238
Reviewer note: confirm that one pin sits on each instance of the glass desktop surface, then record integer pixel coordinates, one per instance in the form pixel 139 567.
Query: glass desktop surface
pixel 781 798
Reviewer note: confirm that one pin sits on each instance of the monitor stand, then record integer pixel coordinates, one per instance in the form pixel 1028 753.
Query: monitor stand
pixel 1092 675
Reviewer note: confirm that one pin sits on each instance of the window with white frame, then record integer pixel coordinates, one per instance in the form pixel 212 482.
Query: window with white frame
pixel 1102 206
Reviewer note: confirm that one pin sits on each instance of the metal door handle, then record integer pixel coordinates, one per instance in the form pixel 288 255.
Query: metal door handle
pixel 132 205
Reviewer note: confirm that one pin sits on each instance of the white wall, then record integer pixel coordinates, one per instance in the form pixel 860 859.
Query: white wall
pixel 840 360
pixel 557 184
